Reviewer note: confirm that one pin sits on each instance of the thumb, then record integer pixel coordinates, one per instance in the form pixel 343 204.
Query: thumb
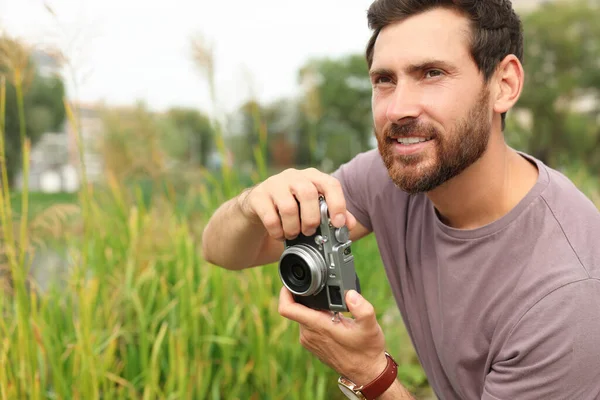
pixel 362 311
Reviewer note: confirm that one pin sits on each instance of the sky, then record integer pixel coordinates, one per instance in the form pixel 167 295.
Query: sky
pixel 123 51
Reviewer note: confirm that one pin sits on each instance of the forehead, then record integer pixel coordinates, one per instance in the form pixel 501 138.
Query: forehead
pixel 440 33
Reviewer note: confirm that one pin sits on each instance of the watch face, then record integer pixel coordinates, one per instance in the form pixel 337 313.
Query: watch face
pixel 349 393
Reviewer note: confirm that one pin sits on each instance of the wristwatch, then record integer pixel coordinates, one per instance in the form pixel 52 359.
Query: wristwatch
pixel 373 389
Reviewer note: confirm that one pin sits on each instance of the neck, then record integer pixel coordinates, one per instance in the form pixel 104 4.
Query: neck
pixel 486 190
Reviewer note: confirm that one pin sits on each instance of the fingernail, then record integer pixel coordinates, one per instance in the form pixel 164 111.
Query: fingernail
pixel 354 297
pixel 339 220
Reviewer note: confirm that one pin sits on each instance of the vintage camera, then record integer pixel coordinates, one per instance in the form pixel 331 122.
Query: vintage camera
pixel 319 269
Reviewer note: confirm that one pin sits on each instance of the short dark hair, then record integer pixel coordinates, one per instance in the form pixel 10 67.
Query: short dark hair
pixel 496 29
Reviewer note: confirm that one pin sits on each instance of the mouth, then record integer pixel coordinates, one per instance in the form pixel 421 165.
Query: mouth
pixel 407 141
pixel 410 145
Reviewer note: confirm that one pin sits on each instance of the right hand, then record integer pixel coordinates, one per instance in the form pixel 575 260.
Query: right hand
pixel 273 203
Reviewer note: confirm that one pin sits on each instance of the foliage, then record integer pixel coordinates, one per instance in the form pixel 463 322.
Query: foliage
pixel 337 108
pixel 191 136
pixel 42 99
pixel 264 134
pixel 131 144
pixel 141 315
pixel 560 100
pixel 245 128
pixel 329 123
pixel 41 201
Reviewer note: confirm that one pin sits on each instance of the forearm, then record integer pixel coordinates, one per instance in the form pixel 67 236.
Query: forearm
pixel 396 392
pixel 230 239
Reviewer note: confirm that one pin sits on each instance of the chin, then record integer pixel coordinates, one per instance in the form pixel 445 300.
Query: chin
pixel 414 177
pixel 417 165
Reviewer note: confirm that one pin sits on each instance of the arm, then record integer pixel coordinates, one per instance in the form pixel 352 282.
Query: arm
pixel 229 228
pixel 256 222
pixel 396 392
pixel 553 352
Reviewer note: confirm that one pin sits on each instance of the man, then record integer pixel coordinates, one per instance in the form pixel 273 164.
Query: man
pixel 493 257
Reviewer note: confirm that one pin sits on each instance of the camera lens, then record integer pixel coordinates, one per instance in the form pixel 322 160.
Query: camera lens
pixel 302 270
pixel 298 272
pixel 295 273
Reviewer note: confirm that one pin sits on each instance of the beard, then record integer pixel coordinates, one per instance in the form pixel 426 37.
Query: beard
pixel 454 153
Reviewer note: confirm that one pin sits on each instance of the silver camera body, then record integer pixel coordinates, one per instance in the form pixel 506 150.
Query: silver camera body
pixel 319 269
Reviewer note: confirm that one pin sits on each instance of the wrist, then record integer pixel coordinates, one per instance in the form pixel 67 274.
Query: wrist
pixel 243 206
pixel 396 392
pixel 369 370
pixel 365 387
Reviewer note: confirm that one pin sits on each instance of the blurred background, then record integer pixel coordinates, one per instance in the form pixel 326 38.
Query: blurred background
pixel 127 123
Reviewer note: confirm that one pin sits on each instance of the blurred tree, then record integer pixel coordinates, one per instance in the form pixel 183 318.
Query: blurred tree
pixel 337 109
pixel 42 100
pixel 265 136
pixel 556 118
pixel 192 137
pixel 244 132
pixel 257 124
pixel 131 144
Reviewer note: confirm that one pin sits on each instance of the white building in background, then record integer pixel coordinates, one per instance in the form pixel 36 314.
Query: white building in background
pixel 55 163
pixel 48 62
pixel 89 130
pixel 49 169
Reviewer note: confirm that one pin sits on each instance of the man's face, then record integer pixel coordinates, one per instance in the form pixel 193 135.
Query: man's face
pixel 431 108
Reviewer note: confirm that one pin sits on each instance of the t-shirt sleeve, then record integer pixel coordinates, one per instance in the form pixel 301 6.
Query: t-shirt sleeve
pixel 353 177
pixel 553 352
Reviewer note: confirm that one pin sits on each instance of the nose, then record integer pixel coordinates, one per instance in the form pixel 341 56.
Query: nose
pixel 404 104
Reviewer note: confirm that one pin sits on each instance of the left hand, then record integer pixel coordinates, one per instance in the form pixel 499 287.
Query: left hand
pixel 353 347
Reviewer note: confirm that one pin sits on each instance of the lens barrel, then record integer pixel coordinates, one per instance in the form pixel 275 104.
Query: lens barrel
pixel 302 270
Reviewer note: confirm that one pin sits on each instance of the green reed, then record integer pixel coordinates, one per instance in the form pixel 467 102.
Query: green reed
pixel 140 314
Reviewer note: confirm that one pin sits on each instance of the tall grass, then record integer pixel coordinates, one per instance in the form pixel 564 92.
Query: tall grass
pixel 140 315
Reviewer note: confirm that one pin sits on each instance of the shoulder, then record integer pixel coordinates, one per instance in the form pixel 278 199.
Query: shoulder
pixel 568 301
pixel 576 217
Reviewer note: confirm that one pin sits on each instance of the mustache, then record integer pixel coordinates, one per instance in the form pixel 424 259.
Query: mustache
pixel 412 128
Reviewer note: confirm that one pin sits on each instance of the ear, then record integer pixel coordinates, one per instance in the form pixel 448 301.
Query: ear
pixel 509 83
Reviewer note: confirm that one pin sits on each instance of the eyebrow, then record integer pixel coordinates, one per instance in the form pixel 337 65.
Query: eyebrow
pixel 381 72
pixel 413 68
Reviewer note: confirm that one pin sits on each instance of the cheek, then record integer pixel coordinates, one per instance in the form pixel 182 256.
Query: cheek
pixel 446 108
pixel 379 105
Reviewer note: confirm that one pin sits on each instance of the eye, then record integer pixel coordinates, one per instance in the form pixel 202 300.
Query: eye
pixel 433 73
pixel 382 80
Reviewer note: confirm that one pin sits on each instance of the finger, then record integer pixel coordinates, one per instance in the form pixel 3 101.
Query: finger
pixel 287 208
pixel 362 311
pixel 266 211
pixel 334 195
pixel 291 310
pixel 308 197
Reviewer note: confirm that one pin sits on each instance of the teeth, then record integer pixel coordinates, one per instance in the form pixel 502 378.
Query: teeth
pixel 411 140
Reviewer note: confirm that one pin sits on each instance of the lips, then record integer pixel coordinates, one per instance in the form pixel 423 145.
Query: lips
pixel 409 132
pixel 407 141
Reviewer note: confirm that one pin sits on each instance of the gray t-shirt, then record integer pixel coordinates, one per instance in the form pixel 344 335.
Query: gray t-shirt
pixel 510 310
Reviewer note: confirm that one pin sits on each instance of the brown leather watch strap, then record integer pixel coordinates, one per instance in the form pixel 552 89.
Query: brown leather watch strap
pixel 379 385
